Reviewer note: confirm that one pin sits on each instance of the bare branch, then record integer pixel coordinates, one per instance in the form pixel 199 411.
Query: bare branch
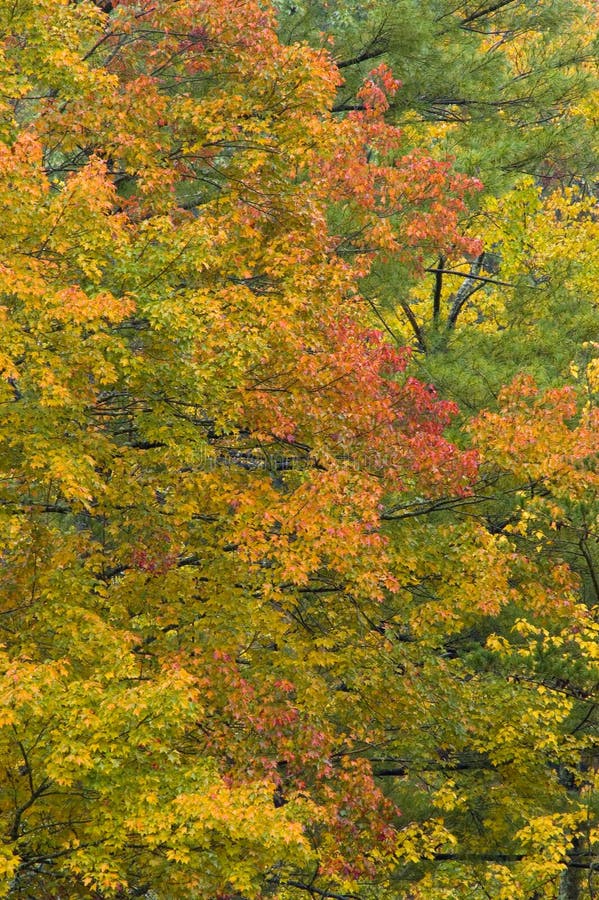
pixel 469 286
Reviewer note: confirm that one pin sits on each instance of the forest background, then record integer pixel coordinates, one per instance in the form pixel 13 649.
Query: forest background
pixel 298 442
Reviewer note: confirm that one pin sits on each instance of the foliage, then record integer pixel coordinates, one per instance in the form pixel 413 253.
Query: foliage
pixel 266 629
pixel 504 86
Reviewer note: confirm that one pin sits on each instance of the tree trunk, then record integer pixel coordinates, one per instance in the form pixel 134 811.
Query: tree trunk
pixel 570 884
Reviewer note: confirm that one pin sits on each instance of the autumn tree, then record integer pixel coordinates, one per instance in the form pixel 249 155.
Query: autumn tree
pixel 196 426
pixel 253 639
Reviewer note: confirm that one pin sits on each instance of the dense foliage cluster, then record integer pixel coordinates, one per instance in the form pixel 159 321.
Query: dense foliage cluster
pixel 299 570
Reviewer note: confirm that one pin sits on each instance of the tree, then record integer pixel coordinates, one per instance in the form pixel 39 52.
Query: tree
pixel 185 357
pixel 502 86
pixel 528 303
pixel 510 91
pixel 242 596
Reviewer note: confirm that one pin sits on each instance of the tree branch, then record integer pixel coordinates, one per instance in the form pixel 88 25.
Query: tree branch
pixel 438 289
pixel 414 323
pixel 481 13
pixel 320 892
pixel 473 277
pixel 361 57
pixel 465 291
